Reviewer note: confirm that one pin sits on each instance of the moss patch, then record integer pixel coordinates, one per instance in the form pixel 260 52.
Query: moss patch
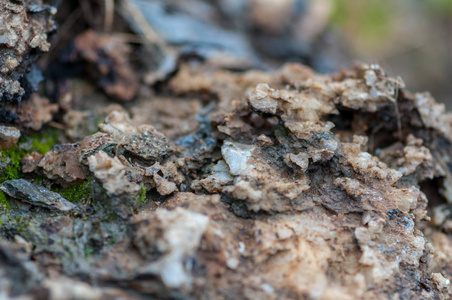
pixel 88 251
pixel 142 194
pixel 40 142
pixel 12 170
pixel 43 140
pixel 77 193
pixel 3 201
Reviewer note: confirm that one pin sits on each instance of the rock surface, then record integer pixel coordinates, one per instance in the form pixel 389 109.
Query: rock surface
pixel 9 136
pixel 277 185
pixel 36 195
pixel 23 34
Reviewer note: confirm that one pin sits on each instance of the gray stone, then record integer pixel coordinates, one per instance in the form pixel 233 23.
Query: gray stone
pixel 37 195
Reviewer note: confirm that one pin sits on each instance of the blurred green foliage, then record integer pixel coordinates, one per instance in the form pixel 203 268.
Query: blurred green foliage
pixel 369 21
pixel 440 6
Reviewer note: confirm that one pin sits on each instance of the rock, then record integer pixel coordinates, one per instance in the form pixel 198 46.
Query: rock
pixel 237 156
pixel 64 288
pixel 9 136
pixel 112 173
pixel 306 186
pixel 106 62
pixel 260 100
pixel 164 187
pixel 180 28
pixel 18 275
pixel 78 124
pixel 36 112
pixel 174 236
pixel 36 195
pixel 219 178
pixel 30 162
pixel 441 282
pixel 61 163
pixel 143 141
pixel 25 29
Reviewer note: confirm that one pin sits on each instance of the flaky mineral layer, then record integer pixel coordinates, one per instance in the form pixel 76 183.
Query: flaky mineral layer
pixel 24 28
pixel 283 185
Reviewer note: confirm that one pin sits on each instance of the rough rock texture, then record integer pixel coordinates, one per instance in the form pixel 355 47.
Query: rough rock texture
pixel 36 195
pixel 282 185
pixel 106 62
pixel 36 112
pixel 30 162
pixel 61 163
pixel 9 136
pixel 24 29
pixel 111 172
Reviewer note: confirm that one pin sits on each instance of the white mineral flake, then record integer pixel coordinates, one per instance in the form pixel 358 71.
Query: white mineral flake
pixel 232 263
pixel 241 248
pixel 173 275
pixel 370 77
pixel 236 156
pixel 219 177
pixel 112 173
pixel 267 288
pixel 182 234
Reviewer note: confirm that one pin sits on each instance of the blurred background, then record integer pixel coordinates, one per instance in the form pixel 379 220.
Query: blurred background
pixel 410 38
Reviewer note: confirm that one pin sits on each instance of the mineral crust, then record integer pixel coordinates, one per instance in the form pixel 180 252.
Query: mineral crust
pixel 273 185
pixel 24 29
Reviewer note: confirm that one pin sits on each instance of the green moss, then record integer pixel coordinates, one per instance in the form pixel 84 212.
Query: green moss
pixel 88 251
pixel 111 217
pixel 281 130
pixel 77 193
pixel 21 223
pixel 141 197
pixel 12 170
pixel 40 142
pixel 43 140
pixel 4 202
pixel 142 193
